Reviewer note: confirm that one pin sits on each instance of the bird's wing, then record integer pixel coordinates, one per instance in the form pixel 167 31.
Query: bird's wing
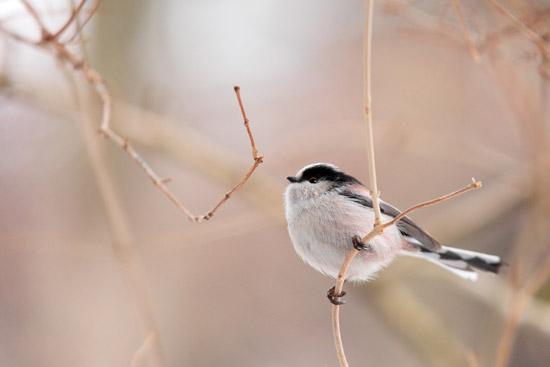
pixel 405 225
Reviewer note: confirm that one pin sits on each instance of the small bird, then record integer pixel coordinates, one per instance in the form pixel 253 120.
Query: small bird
pixel 328 212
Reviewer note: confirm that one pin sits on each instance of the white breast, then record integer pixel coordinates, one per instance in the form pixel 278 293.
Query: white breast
pixel 322 227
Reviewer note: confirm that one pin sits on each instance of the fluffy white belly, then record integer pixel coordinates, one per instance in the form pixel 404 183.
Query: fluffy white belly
pixel 323 237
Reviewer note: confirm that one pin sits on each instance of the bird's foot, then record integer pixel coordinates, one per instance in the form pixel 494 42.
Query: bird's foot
pixel 332 297
pixel 359 246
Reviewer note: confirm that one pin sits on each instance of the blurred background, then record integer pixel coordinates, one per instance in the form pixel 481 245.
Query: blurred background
pixel 99 268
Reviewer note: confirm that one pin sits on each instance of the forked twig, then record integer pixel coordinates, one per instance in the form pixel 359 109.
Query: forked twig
pixel 74 14
pixel 51 41
pixel 376 231
pixel 257 161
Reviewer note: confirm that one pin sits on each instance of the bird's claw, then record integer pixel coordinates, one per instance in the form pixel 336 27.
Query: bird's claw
pixel 358 245
pixel 332 297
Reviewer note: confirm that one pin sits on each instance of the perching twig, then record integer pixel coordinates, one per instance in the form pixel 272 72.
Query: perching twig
pixel 466 34
pixel 378 226
pixel 375 194
pixel 367 95
pixel 50 41
pixel 376 231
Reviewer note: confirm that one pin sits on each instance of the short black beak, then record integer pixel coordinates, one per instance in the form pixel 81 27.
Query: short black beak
pixel 292 179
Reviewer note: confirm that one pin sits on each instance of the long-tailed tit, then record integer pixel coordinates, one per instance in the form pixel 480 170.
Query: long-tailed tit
pixel 328 211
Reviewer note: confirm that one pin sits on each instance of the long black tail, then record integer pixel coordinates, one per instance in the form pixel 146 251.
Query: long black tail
pixel 460 262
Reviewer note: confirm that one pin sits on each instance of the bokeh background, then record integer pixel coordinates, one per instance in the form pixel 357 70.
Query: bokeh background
pixel 231 291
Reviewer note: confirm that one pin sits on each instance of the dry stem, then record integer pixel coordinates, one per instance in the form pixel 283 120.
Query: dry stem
pixel 51 41
pixel 466 34
pixel 376 231
pixel 258 159
pixel 372 175
pixel 520 26
pixel 143 349
pixel 375 194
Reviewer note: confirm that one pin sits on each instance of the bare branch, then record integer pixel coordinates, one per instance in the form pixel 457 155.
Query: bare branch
pixel 375 194
pixel 367 116
pixel 49 41
pixel 257 161
pixel 473 185
pixel 519 25
pixel 43 31
pixel 143 349
pixel 83 23
pixel 74 14
pixel 465 33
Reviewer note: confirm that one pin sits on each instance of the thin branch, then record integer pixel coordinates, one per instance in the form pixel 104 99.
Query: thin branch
pixel 465 33
pixel 257 161
pixel 83 23
pixel 375 194
pixel 376 231
pixel 43 31
pixel 74 14
pixel 367 116
pixel 143 349
pixel 473 185
pixel 246 123
pixel 94 78
pixel 520 26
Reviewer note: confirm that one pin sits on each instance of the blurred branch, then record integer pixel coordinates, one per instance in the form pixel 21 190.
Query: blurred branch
pixel 520 26
pixel 122 239
pixel 520 299
pixel 425 330
pixel 466 34
pixel 141 353
pixel 74 15
pixel 531 124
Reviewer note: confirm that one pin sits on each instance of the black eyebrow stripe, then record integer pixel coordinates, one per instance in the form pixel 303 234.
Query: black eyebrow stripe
pixel 327 173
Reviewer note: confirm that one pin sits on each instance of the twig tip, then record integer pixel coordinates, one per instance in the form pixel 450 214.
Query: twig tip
pixel 236 88
pixel 476 184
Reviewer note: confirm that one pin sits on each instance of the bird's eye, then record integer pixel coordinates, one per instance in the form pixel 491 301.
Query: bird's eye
pixel 313 180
